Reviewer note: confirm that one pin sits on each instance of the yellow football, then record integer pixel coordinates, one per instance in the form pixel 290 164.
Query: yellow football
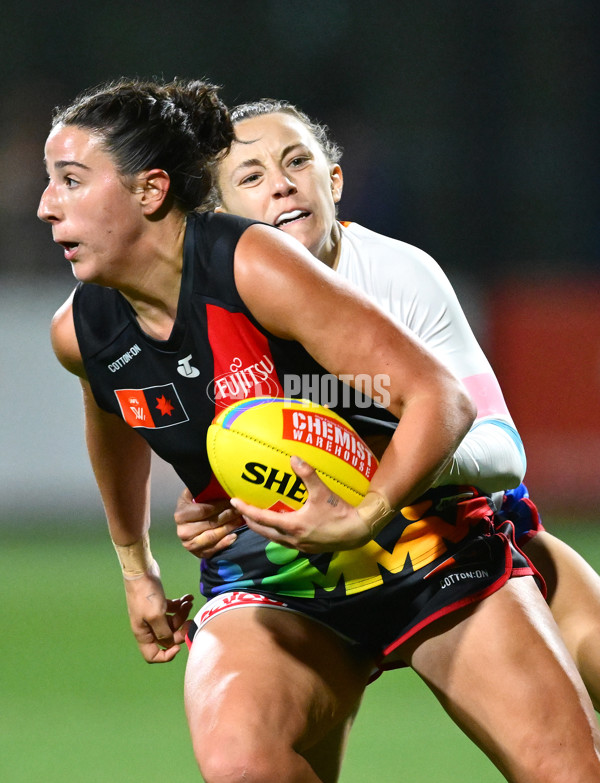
pixel 250 444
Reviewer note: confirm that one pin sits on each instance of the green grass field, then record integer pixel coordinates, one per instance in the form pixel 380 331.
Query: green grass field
pixel 79 705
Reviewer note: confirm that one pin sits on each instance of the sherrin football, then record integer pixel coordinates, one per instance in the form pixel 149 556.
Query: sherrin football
pixel 250 444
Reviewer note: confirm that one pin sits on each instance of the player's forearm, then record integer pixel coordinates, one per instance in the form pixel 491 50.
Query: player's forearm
pixel 126 498
pixel 430 430
pixel 121 463
pixel 128 517
pixel 128 523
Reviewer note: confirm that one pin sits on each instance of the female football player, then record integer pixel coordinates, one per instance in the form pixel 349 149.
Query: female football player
pixel 286 645
pixel 275 186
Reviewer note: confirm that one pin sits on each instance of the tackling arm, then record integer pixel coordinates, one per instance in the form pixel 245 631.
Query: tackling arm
pixel 293 296
pixel 490 457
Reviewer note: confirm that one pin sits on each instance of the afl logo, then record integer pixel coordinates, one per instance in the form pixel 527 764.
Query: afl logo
pixel 186 369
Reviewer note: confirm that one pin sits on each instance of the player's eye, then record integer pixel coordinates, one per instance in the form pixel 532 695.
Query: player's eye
pixel 298 161
pixel 250 179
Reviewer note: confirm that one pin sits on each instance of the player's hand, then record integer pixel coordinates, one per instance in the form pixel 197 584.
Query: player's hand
pixel 325 523
pixel 159 624
pixel 205 529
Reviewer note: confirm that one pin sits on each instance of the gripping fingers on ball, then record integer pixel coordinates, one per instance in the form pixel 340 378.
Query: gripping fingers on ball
pixel 205 547
pixel 250 445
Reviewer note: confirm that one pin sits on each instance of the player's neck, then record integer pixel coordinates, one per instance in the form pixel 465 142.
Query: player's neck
pixel 155 295
pixel 330 253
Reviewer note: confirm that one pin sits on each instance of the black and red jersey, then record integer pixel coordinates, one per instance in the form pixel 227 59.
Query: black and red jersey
pixel 217 353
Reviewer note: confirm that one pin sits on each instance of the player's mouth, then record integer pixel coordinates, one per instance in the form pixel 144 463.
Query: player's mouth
pixel 70 249
pixel 287 218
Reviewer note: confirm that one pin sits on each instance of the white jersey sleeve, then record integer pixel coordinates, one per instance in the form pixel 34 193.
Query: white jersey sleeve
pixel 407 283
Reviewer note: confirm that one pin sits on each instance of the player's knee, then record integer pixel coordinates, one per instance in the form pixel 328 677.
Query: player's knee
pixel 547 762
pixel 553 769
pixel 584 648
pixel 233 763
pixel 239 770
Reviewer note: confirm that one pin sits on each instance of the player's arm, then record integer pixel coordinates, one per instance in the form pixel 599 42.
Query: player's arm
pixel 120 459
pixel 121 463
pixel 491 456
pixel 297 298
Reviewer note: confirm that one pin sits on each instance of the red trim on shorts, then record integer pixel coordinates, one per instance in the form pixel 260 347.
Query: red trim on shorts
pixel 538 526
pixel 487 591
pixel 226 601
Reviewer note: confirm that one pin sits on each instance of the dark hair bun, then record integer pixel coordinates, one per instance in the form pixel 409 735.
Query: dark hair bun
pixel 179 126
pixel 208 115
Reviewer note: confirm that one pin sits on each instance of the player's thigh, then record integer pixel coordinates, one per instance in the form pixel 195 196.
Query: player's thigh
pixel 573 585
pixel 275 673
pixel 502 671
pixel 574 598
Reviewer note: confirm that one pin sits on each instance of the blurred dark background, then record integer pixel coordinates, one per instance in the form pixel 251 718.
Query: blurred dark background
pixel 470 129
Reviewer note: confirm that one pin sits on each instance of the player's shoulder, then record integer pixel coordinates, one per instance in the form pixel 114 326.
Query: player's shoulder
pixel 217 230
pixel 63 317
pixel 385 253
pixel 64 339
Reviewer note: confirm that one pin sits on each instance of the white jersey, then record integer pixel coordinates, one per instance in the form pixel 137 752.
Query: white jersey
pixel 407 283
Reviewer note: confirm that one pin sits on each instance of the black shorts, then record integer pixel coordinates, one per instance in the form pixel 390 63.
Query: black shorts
pixel 380 619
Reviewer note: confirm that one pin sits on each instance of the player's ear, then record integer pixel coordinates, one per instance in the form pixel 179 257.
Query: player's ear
pixel 337 182
pixel 152 189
